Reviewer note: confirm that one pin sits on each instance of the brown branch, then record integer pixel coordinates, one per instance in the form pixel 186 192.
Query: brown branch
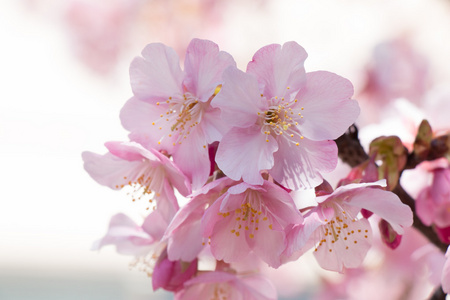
pixel 352 153
pixel 427 231
pixel 438 294
pixel 439 147
pixel 350 149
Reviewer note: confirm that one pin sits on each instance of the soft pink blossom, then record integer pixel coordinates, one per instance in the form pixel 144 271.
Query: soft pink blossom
pixel 248 218
pixel 223 285
pixel 131 239
pixel 150 174
pixel 340 237
pixel 99 30
pixel 171 108
pixel 284 119
pixel 397 70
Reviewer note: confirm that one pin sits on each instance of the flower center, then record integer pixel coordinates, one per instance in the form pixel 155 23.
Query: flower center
pixel 249 216
pixel 182 114
pixel 281 119
pixel 146 185
pixel 220 292
pixel 340 229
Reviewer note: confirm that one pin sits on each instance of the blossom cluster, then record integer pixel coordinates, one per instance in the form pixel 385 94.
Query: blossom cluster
pixel 220 154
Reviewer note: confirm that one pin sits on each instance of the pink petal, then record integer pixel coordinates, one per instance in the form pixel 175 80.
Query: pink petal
pixel 238 98
pixel 184 235
pixel 128 237
pixel 192 157
pixel 384 204
pixel 155 224
pixel 213 125
pixel 138 118
pixel 157 75
pixel 348 253
pixel 300 167
pixel 278 68
pixel 328 110
pixel 130 152
pixel 244 152
pixel 173 173
pixel 424 207
pixel 185 243
pixel 204 66
pixel 227 246
pixel 280 204
pixel 260 287
pixel 110 170
pixel 269 244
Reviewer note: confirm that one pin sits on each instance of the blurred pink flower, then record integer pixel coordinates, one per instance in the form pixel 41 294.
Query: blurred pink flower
pixel 148 172
pixel 99 30
pixel 171 108
pixel 396 70
pixel 131 239
pixel 223 285
pixel 248 218
pixel 342 239
pixel 284 119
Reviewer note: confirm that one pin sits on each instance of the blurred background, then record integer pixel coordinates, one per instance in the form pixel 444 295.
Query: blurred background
pixel 64 78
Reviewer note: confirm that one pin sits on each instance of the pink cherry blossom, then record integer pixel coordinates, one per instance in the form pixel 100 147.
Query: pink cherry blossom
pixel 341 238
pixel 171 108
pixel 131 239
pixel 223 285
pixel 284 119
pixel 250 218
pixel 150 174
pixel 446 273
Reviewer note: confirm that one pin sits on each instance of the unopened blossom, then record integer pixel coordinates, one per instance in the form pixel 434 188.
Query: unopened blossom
pixel 284 119
pixel 171 108
pixel 339 236
pixel 224 285
pixel 148 174
pixel 171 275
pixel 250 218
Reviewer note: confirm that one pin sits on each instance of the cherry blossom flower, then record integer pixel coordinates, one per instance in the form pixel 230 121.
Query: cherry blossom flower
pixel 149 174
pixel 131 239
pixel 284 119
pixel 223 285
pixel 171 108
pixel 250 218
pixel 341 238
